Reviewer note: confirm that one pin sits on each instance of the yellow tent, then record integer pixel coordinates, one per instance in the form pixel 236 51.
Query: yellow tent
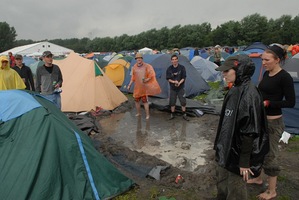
pixel 85 86
pixel 116 71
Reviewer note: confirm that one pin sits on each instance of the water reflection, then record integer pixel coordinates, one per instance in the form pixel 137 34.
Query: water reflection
pixel 141 136
pixel 177 133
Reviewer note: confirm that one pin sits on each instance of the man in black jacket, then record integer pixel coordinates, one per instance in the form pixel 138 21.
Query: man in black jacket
pixel 24 72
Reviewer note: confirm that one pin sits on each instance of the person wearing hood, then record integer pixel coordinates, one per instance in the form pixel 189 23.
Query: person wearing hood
pixel 145 84
pixel 9 78
pixel 242 140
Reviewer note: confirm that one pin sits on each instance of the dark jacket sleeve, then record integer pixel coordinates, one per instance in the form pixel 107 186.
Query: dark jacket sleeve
pixel 30 77
pixel 246 149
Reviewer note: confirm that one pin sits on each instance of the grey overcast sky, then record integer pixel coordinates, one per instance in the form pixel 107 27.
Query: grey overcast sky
pixel 65 19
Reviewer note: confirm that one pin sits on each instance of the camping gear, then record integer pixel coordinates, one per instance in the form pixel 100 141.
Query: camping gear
pixel 85 86
pixel 45 156
pixel 206 69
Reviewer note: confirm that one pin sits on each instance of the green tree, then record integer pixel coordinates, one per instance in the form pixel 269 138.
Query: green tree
pixel 7 36
pixel 253 28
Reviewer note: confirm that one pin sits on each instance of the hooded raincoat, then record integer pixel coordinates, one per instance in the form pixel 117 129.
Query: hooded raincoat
pixel 149 88
pixel 242 124
pixel 9 78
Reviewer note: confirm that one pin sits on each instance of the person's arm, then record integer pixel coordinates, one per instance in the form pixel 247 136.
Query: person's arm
pixel 38 80
pixel 289 93
pixel 30 77
pixel 245 153
pixel 60 80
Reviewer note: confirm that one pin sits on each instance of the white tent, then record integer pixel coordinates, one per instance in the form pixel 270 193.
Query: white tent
pixel 145 50
pixel 39 48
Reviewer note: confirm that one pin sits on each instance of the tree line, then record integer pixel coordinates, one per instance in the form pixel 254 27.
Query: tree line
pixel 252 28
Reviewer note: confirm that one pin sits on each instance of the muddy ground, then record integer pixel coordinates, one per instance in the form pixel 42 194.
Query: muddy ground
pixel 175 143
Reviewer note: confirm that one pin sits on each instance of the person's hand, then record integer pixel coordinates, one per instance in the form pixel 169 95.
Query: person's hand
pixel 129 86
pixel 245 172
pixel 57 85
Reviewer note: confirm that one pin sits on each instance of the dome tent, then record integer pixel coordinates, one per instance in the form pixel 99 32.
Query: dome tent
pixel 45 156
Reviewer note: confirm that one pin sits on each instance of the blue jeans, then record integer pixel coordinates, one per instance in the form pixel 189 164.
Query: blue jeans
pixel 55 98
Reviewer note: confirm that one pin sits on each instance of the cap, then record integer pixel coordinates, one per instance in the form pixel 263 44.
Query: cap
pixel 229 63
pixel 47 53
pixel 18 56
pixel 138 55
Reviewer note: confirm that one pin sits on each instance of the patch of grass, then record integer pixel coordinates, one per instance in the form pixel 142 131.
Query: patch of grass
pixel 294 144
pixel 215 92
pixel 281 178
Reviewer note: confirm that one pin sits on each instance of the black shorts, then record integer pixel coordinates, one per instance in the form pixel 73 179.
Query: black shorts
pixel 174 94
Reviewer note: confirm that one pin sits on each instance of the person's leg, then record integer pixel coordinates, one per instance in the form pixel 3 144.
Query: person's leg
pixel 271 167
pixel 137 105
pixel 222 178
pixel 236 187
pixel 146 106
pixel 58 100
pixel 172 102
pixel 182 98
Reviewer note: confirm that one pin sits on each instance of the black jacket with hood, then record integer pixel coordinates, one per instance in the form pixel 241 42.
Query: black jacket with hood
pixel 242 140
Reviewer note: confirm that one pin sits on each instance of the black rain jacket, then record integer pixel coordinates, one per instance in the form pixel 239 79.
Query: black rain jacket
pixel 242 122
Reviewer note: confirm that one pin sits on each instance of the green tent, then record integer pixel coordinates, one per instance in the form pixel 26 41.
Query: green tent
pixel 43 155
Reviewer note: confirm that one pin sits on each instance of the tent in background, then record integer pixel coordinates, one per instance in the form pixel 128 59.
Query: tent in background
pixel 35 65
pixel 256 47
pixel 39 48
pixel 206 69
pixel 45 156
pixel 85 86
pixel 194 85
pixel 291 115
pixel 145 50
pixel 116 71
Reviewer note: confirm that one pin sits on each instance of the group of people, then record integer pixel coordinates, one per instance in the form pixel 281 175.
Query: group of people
pixel 251 124
pixel 145 84
pixel 19 76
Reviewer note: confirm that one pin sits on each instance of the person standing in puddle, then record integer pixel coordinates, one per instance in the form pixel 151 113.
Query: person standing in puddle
pixel 145 84
pixel 176 76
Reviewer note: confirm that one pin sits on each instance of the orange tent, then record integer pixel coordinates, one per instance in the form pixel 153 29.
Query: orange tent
pixel 85 86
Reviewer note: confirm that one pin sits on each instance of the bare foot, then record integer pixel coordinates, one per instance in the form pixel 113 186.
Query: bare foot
pixel 147 117
pixel 255 181
pixel 137 115
pixel 267 195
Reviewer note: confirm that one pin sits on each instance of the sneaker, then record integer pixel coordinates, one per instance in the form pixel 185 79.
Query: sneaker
pixel 171 116
pixel 185 117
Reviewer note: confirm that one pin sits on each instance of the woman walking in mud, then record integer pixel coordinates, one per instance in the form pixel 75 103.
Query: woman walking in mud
pixel 242 141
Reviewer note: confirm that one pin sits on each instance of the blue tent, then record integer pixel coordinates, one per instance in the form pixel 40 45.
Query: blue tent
pixel 194 85
pixel 291 115
pixel 256 47
pixel 206 69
